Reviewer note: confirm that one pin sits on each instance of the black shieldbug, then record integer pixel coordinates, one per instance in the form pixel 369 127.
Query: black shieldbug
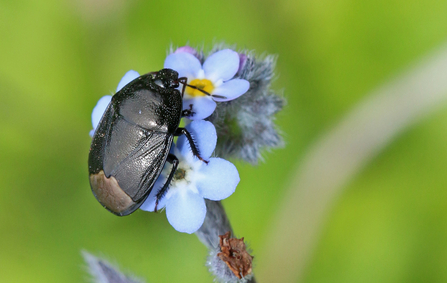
pixel 132 141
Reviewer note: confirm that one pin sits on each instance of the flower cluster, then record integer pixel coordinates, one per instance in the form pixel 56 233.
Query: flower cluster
pixel 244 126
pixel 208 83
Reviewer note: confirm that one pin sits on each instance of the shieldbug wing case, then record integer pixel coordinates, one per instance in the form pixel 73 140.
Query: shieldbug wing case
pixel 133 139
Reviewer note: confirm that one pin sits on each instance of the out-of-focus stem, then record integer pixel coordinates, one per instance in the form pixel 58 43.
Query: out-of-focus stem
pixel 339 155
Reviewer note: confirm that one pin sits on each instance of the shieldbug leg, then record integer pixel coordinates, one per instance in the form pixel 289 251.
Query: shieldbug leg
pixel 183 81
pixel 188 112
pixel 195 151
pixel 161 193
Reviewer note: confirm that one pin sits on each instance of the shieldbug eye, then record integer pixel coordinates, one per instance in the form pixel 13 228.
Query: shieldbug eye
pixel 159 83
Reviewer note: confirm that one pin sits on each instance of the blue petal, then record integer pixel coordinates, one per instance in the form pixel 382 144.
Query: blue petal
pixel 221 179
pixel 128 77
pixel 186 211
pixel 231 89
pixel 204 136
pixel 149 203
pixel 99 110
pixel 184 63
pixel 202 107
pixel 221 65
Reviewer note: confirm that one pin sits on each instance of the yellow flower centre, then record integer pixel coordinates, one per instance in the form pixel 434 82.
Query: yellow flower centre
pixel 204 84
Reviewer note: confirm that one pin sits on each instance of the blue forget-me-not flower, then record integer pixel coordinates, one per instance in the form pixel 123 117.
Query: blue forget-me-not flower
pixel 215 77
pixel 194 180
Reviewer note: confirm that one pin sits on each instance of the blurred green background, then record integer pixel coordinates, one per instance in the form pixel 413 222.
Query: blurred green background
pixel 389 224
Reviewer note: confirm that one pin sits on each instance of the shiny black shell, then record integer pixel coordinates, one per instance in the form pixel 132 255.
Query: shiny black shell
pixel 133 139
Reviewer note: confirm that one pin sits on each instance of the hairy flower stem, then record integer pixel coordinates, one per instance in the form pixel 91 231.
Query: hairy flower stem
pixel 217 223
